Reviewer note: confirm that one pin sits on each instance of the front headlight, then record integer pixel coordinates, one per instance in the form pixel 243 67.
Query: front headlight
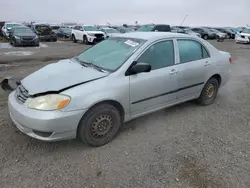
pixel 49 102
pixel 16 37
pixel 36 37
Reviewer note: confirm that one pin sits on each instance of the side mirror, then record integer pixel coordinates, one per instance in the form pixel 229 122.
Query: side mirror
pixel 81 29
pixel 140 67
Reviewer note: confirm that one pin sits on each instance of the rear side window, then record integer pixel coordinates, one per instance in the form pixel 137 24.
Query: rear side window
pixel 159 55
pixel 190 50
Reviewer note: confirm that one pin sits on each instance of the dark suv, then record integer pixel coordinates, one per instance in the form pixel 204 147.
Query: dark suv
pixel 158 27
pixel 205 33
pixel 227 31
pixel 45 32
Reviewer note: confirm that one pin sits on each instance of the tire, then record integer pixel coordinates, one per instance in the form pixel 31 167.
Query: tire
pixel 207 97
pixel 54 40
pixel 205 37
pixel 14 43
pixel 100 125
pixel 74 38
pixel 85 40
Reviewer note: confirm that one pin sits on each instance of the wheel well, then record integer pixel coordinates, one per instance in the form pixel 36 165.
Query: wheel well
pixel 217 77
pixel 116 104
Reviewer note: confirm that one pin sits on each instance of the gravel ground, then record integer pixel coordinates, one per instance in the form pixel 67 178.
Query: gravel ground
pixel 45 52
pixel 187 146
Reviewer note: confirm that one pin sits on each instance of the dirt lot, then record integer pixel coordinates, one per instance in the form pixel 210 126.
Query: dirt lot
pixel 185 146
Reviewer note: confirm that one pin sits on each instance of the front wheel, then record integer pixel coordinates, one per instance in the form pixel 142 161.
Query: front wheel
pixel 74 38
pixel 209 92
pixel 85 40
pixel 205 37
pixel 99 125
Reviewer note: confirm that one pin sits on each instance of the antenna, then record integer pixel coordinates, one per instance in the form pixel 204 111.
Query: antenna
pixel 184 19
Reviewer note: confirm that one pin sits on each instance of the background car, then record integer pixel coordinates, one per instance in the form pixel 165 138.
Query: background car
pixel 7 27
pixel 205 33
pixel 219 34
pixel 109 32
pixel 190 32
pixel 23 36
pixel 243 36
pixel 87 34
pixel 44 31
pixel 153 27
pixel 227 31
pixel 64 32
pixel 1 25
pixel 122 29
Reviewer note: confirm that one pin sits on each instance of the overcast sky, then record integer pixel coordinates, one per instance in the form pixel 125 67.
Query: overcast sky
pixel 200 12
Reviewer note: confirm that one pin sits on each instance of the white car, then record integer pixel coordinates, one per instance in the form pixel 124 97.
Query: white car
pixel 86 34
pixel 243 36
pixel 110 32
pixel 7 27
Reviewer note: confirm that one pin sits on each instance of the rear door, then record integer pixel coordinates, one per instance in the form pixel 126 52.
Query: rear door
pixel 193 67
pixel 157 88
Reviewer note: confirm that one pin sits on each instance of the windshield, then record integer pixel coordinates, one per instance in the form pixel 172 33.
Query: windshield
pixel 11 25
pixel 110 54
pixel 23 30
pixel 246 30
pixel 66 30
pixel 90 28
pixel 111 30
pixel 146 28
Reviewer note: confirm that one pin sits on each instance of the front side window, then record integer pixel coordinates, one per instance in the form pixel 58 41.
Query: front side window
pixel 110 54
pixel 159 55
pixel 190 50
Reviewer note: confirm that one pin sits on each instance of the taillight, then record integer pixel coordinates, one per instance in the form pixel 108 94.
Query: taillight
pixel 230 60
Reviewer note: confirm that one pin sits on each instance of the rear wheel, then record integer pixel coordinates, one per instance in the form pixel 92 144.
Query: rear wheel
pixel 100 125
pixel 209 92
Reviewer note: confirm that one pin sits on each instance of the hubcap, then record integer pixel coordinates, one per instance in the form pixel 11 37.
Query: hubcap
pixel 102 126
pixel 210 90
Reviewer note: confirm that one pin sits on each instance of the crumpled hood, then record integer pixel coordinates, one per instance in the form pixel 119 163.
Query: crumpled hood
pixel 59 76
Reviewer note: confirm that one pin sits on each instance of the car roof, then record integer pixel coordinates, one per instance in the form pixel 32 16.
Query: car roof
pixel 13 23
pixel 152 35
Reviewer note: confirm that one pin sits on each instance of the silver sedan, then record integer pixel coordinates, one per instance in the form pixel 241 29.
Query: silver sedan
pixel 119 79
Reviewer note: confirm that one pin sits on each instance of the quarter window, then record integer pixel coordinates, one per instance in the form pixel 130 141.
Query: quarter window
pixel 159 55
pixel 190 50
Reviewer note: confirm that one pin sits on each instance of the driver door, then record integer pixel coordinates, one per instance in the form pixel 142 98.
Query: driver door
pixel 153 90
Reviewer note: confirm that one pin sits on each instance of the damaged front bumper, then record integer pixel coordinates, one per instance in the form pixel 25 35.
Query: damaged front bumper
pixel 43 125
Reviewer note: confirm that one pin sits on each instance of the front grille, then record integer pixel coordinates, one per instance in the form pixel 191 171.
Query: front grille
pixel 21 94
pixel 99 36
pixel 27 38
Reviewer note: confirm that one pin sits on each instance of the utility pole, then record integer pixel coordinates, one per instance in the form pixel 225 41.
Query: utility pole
pixel 184 19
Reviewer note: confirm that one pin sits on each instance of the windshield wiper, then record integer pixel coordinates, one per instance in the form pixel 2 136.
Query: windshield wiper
pixel 88 64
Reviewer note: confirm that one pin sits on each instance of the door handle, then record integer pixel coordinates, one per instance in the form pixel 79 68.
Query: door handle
pixel 173 72
pixel 207 63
